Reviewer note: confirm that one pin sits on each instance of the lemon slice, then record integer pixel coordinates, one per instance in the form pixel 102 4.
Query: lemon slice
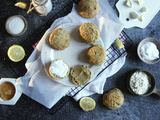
pixel 16 53
pixel 22 5
pixel 87 103
pixel 119 43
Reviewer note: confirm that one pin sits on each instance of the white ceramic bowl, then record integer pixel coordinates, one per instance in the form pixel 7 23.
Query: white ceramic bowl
pixel 142 43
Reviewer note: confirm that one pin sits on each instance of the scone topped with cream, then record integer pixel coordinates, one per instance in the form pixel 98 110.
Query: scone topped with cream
pixel 89 32
pixel 58 69
pixel 88 8
pixel 59 39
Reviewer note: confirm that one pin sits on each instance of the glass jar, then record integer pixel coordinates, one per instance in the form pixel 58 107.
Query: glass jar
pixel 43 7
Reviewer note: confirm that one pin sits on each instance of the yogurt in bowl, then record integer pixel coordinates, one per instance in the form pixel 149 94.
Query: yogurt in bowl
pixel 149 50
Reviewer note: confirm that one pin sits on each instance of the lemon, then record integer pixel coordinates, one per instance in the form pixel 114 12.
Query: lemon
pixel 16 53
pixel 87 103
pixel 22 5
pixel 119 43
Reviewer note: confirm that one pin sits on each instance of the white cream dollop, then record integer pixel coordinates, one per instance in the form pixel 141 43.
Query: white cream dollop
pixel 59 68
pixel 149 51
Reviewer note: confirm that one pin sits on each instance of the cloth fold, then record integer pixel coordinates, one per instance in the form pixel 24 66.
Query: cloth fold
pixel 37 85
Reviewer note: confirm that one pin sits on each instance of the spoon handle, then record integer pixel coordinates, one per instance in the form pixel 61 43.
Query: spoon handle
pixel 156 91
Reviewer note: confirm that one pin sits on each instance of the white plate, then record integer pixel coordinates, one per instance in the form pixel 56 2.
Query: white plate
pixel 73 55
pixel 152 8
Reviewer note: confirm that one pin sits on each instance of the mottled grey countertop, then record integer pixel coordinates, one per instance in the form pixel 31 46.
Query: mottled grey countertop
pixel 134 107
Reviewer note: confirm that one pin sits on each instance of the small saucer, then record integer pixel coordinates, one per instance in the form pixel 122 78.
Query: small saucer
pixel 142 43
pixel 8 21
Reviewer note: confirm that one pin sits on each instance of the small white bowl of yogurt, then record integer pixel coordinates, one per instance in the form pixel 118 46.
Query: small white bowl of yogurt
pixel 16 25
pixel 149 50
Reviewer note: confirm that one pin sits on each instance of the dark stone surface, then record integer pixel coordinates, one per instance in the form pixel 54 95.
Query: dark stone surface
pixel 134 107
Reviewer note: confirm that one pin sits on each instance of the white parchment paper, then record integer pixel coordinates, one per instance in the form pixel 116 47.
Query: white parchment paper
pixel 37 85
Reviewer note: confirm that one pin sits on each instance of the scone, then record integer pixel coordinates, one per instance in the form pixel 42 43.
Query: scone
pixel 59 39
pixel 89 32
pixel 58 69
pixel 113 99
pixel 80 74
pixel 96 55
pixel 88 8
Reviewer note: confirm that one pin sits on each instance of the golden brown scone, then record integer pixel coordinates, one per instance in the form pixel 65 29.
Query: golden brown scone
pixel 88 8
pixel 80 74
pixel 113 99
pixel 89 32
pixel 59 39
pixel 59 69
pixel 96 55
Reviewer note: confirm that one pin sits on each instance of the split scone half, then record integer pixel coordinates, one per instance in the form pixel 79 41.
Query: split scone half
pixel 59 39
pixel 59 69
pixel 80 74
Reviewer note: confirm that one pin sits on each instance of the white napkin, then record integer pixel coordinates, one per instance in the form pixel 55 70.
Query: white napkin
pixel 37 85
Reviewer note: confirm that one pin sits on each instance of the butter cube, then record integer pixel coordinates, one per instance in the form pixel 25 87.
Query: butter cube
pixel 134 15
pixel 128 3
pixel 140 2
pixel 143 9
pixel 141 18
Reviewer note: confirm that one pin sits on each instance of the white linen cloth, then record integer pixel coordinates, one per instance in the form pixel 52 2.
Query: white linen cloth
pixel 37 85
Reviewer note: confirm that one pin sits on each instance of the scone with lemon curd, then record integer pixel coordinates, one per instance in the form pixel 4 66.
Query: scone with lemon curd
pixel 58 69
pixel 59 39
pixel 89 32
pixel 81 74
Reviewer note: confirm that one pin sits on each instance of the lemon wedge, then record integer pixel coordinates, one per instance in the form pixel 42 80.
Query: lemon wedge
pixel 87 103
pixel 16 53
pixel 22 5
pixel 119 43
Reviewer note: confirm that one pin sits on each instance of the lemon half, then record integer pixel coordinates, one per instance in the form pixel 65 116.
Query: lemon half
pixel 22 5
pixel 16 53
pixel 87 103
